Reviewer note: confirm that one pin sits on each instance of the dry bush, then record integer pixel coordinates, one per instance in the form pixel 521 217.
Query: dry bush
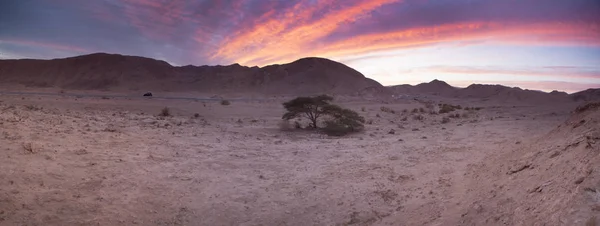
pixel 388 110
pixel 165 112
pixel 429 106
pixel 457 115
pixel 446 108
pixel 338 128
pixel 225 102
pixel 284 125
pixel 28 147
pixel 445 120
pixel 297 125
pixel 419 117
pixel 32 107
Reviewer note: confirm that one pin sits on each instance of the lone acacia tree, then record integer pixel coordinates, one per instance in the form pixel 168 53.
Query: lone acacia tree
pixel 311 108
pixel 340 121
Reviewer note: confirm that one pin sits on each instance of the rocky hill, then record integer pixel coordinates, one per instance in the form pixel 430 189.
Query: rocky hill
pixel 494 92
pixel 111 72
pixel 552 180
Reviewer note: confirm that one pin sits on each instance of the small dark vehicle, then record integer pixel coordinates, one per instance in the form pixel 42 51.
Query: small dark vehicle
pixel 148 94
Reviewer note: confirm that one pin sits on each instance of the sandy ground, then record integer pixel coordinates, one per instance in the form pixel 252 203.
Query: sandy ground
pixel 95 161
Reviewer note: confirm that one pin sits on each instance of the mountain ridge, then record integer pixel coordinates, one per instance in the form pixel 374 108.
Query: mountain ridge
pixel 115 72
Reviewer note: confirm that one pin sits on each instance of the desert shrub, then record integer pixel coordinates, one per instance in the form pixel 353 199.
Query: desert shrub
pixel 225 102
pixel 445 120
pixel 284 125
pixel 342 121
pixel 446 108
pixel 333 128
pixel 165 112
pixel 429 106
pixel 28 147
pixel 388 110
pixel 32 107
pixel 418 117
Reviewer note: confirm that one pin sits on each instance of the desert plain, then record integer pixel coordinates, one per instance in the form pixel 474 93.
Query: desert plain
pixel 68 159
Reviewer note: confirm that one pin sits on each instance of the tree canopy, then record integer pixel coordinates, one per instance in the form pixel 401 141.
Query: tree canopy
pixel 340 121
pixel 307 107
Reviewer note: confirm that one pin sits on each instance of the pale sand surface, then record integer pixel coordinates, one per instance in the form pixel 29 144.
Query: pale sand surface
pixel 101 161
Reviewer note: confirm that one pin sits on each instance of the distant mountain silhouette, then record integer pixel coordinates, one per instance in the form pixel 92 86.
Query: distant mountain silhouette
pixel 586 95
pixel 113 72
pixel 493 92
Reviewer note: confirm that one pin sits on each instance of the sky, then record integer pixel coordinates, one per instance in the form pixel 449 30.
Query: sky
pixel 535 44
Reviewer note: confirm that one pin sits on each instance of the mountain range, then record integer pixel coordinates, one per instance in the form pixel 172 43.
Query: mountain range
pixel 306 76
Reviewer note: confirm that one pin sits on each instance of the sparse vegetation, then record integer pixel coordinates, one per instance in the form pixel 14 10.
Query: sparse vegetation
pixel 387 110
pixel 284 125
pixel 165 112
pixel 457 115
pixel 445 120
pixel 225 102
pixel 32 107
pixel 419 117
pixel 28 147
pixel 446 108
